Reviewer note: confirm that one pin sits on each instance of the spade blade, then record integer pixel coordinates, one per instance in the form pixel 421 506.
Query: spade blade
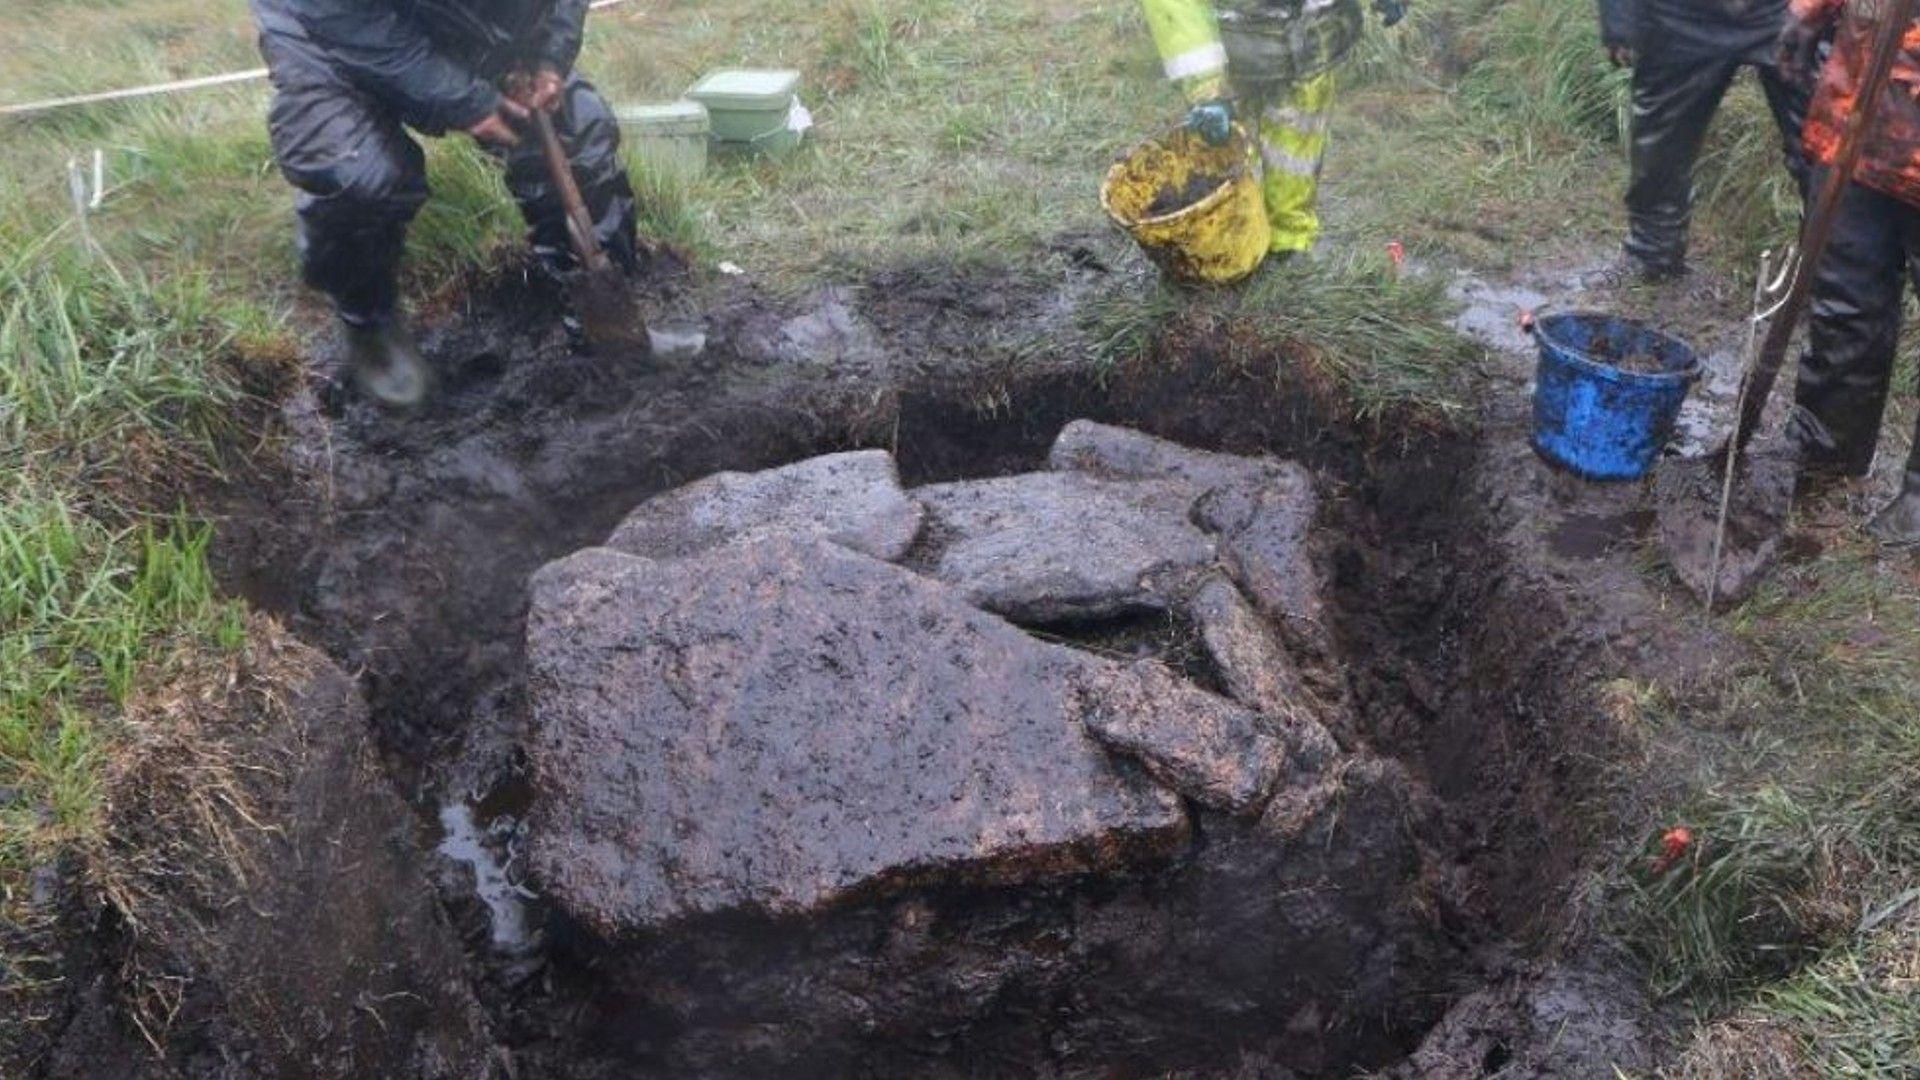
pixel 608 313
pixel 1687 498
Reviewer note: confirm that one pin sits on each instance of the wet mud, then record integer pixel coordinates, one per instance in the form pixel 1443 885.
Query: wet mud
pixel 1467 616
pixel 1169 200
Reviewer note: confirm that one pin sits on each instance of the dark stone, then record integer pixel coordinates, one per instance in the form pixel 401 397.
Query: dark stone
pixel 1117 453
pixel 1205 747
pixel 1268 546
pixel 781 724
pixel 1260 673
pixel 1303 939
pixel 1261 511
pixel 853 499
pixel 1053 547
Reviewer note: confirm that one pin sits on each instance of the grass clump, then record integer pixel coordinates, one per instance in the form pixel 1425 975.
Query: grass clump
pixel 105 373
pixel 1380 344
pixel 85 614
pixel 1807 829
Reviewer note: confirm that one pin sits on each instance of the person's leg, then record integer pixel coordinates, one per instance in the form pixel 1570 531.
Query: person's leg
pixel 1672 106
pixel 1788 100
pixel 1899 522
pixel 359 181
pixel 1853 331
pixel 359 178
pixel 1293 146
pixel 592 137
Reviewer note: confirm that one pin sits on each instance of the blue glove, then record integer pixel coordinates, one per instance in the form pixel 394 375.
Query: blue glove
pixel 1390 11
pixel 1212 121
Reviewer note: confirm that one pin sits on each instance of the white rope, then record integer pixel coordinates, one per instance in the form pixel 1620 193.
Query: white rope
pixel 133 92
pixel 175 87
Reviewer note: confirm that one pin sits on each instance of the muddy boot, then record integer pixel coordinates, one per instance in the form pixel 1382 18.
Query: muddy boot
pixel 1821 461
pixel 386 364
pixel 1898 525
pixel 1627 271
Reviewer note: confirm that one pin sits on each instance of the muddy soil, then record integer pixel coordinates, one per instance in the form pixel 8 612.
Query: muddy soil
pixel 1170 199
pixel 1473 639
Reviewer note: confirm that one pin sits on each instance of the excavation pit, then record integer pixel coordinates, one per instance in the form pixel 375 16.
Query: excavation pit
pixel 1309 921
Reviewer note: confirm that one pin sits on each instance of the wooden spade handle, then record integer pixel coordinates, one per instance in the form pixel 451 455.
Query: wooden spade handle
pixel 579 222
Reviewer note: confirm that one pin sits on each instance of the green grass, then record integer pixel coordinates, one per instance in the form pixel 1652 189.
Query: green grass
pixel 86 613
pixel 1486 133
pixel 1520 123
pixel 1382 344
pixel 1808 824
pixel 1858 1011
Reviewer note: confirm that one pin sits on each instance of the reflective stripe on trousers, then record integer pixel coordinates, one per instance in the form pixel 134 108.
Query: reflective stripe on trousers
pixel 1293 145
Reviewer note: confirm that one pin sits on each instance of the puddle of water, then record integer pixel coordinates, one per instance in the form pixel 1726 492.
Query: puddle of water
pixel 677 344
pixel 463 839
pixel 1492 313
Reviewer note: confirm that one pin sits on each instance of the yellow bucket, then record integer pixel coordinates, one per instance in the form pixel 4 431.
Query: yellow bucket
pixel 1215 241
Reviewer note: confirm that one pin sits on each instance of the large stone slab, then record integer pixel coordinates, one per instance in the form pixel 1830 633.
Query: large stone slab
pixel 1052 547
pixel 853 499
pixel 782 724
pixel 1261 511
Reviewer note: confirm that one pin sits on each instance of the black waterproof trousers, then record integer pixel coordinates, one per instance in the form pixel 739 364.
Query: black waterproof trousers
pixel 361 178
pixel 1675 94
pixel 1854 331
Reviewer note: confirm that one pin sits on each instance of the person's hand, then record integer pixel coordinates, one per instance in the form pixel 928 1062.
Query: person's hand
pixel 538 90
pixel 1212 121
pixel 1798 50
pixel 1390 11
pixel 1621 56
pixel 500 127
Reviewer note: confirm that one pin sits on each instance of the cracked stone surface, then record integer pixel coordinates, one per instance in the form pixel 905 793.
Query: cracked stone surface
pixel 1117 453
pixel 1207 748
pixel 1054 547
pixel 853 499
pixel 777 725
pixel 1259 672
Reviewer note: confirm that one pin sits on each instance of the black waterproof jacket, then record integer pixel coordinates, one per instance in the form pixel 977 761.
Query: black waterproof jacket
pixel 436 62
pixel 1686 31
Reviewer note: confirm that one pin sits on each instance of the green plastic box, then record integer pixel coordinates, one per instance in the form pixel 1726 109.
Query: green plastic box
pixel 751 108
pixel 669 139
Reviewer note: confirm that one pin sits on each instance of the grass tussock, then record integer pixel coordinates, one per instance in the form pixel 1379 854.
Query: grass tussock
pixel 88 615
pixel 203 760
pixel 1791 917
pixel 1380 344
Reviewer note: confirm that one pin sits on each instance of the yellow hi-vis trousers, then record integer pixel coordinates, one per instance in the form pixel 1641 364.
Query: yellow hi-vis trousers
pixel 1292 130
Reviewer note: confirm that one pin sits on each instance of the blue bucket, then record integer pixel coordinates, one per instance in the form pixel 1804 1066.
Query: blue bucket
pixel 1594 418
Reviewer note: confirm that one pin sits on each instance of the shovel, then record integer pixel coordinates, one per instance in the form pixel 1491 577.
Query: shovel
pixel 601 298
pixel 1720 550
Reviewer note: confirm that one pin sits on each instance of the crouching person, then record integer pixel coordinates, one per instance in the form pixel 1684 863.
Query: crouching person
pixel 354 80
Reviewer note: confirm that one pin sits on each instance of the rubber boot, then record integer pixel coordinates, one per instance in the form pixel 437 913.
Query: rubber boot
pixel 386 364
pixel 1821 463
pixel 1627 270
pixel 1898 524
